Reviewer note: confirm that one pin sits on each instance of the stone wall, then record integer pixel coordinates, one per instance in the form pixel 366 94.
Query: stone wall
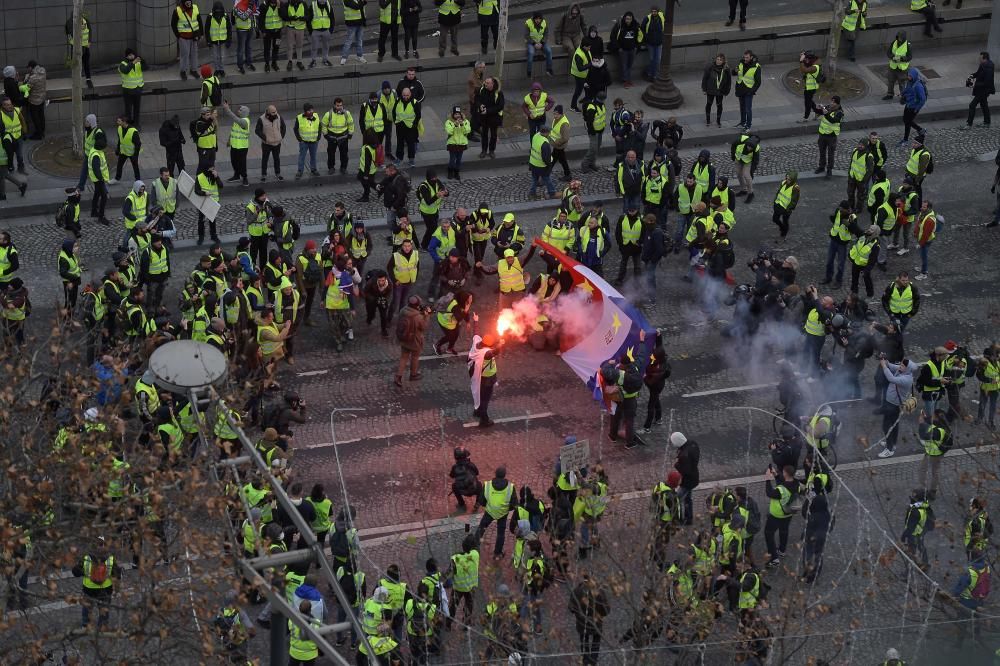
pixel 35 30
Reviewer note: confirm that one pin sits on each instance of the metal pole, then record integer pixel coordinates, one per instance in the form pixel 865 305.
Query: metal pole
pixel 502 38
pixel 305 530
pixel 993 43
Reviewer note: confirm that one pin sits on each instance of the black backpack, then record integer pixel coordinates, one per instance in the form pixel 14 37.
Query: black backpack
pixel 340 546
pixel 61 214
pixel 419 626
pixel 216 97
pixel 296 229
pixel 269 416
pixel 632 383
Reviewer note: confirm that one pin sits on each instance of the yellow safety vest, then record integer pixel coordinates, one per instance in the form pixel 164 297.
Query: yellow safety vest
pixel 308 129
pixel 268 347
pixel 296 16
pixel 272 18
pixel 535 158
pixel 353 14
pixel 405 270
pixel 466 578
pixel 405 112
pixel 208 140
pixel 336 299
pixel 166 195
pixel 701 175
pixel 839 229
pixel 385 13
pixel 861 250
pixel 859 165
pixel 373 120
pixel 600 116
pixel 446 242
pixel 337 123
pixel 899 51
pixel 992 374
pixel 300 647
pixel 239 134
pixel 488 7
pixel 784 196
pixel 812 79
pixel 536 33
pixel 138 215
pixel 12 123
pixel 511 276
pixel 747 76
pixel 320 17
pixel 449 7
pixel 631 230
pixel 827 126
pixel 913 164
pixel 901 302
pixel 536 109
pixel 126 141
pixel 216 29
pixel 850 22
pixel 133 79
pixel 813 326
pixel 158 261
pixel 882 186
pixel 103 165
pixel 88 568
pixel 185 24
pixel 209 187
pixel 576 71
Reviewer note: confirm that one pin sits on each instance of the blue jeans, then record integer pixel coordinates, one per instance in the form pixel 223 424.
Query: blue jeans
pixel 836 252
pixel 654 59
pixel 310 147
pixel 746 110
pixel 455 159
pixel 541 175
pixel 342 617
pixel 682 226
pixel 630 200
pixel 627 57
pixel 650 269
pixel 923 257
pixel 535 124
pixel 83 175
pixel 244 52
pixel 355 35
pixel 547 50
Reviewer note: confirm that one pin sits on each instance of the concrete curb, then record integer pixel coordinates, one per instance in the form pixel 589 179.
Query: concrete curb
pixel 508 157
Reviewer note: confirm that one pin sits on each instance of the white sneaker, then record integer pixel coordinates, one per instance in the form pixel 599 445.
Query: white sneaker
pixel 362 60
pixel 350 334
pixel 343 61
pixel 921 276
pixel 887 453
pixel 113 181
pixel 891 246
pixel 902 251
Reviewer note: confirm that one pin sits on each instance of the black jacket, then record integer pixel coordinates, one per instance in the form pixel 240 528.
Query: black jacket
pixel 11 90
pixel 411 12
pixel 171 136
pixel 688 457
pixel 716 80
pixel 984 79
pixel 490 105
pixel 394 190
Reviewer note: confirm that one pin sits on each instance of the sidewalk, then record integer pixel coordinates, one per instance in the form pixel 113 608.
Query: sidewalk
pixel 775 111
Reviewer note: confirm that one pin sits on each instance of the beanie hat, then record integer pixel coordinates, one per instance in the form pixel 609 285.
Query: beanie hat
pixel 386 84
pixel 90 119
pixel 9 71
pixel 205 71
pixel 244 111
pixel 310 245
pixel 678 439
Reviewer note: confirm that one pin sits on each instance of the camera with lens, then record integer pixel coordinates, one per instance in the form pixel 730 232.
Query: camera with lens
pixel 743 292
pixel 763 256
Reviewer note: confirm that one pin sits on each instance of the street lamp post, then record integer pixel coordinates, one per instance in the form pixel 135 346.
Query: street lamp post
pixel 662 93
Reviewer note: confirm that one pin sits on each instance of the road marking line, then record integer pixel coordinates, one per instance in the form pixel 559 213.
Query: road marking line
pixel 324 445
pixel 452 523
pixel 311 373
pixel 732 389
pixel 511 419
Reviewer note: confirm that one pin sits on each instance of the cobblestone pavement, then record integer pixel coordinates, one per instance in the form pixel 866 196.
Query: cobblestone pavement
pixel 395 468
pixel 39 241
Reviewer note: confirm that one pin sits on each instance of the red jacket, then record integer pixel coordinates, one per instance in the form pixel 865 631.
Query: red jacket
pixel 923 230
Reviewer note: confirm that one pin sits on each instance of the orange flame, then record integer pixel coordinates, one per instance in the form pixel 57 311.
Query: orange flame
pixel 507 322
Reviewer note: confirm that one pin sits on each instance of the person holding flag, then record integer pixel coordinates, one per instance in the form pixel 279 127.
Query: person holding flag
pixel 483 374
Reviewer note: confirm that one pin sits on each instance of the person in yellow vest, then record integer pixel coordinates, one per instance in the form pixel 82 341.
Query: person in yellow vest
pixel 927 9
pixel 855 21
pixel 925 230
pixel 535 105
pixel 809 69
pixel 129 145
pixel 406 114
pixel 244 20
pixel 12 124
pixel 340 294
pixel 186 24
pixel 307 130
pixel 319 25
pixel 87 37
pixel 7 153
pixel 540 161
pixel 154 271
pixel 512 278
pixel 286 308
pixel 293 13
pixel 919 164
pixel 337 127
pixel 449 17
pixel 831 116
pixel 210 94
pixel 218 36
pixel 271 340
pixel 389 19
pixel 402 268
pixel 861 260
pixel 207 184
pixel 99 572
pixel 900 54
pixel 458 128
pixel 901 300
pixel 130 71
pixel 302 650
pixel 536 33
pixel 204 132
pixel 239 143
pixel 988 374
pixel 69 270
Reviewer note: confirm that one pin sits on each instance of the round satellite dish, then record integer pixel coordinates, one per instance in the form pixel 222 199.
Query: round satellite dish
pixel 182 365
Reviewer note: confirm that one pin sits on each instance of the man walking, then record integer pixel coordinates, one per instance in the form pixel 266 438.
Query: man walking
pixel 688 457
pixel 899 388
pixel 499 499
pixel 410 331
pixel 981 82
